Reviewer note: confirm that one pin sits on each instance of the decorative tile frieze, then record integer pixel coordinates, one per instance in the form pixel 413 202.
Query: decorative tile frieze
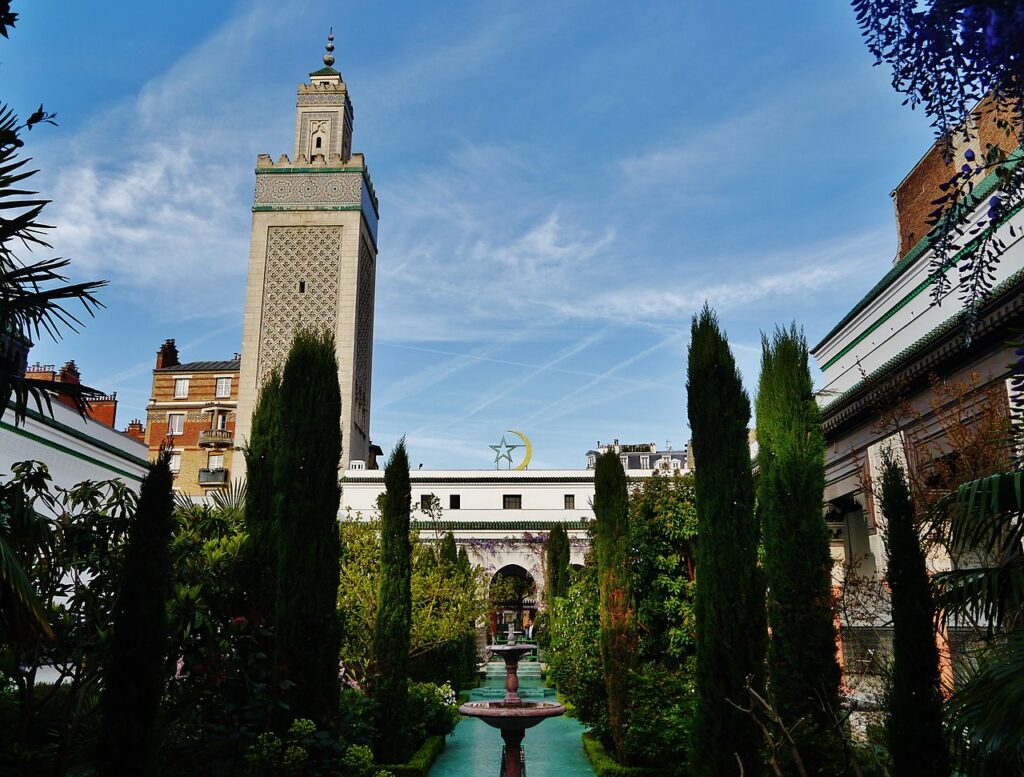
pixel 337 98
pixel 308 189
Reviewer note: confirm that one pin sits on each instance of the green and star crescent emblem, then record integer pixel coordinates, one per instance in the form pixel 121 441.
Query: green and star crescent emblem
pixel 503 452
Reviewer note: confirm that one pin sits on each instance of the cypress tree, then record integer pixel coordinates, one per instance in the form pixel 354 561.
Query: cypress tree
pixel 449 553
pixel 134 677
pixel 618 632
pixel 803 671
pixel 729 603
pixel 260 565
pixel 557 563
pixel 914 723
pixel 394 611
pixel 308 636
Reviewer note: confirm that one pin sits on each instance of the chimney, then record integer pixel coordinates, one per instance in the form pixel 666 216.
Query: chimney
pixel 136 430
pixel 69 373
pixel 167 356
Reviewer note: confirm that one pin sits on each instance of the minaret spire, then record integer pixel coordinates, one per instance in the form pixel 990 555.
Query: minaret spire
pixel 329 56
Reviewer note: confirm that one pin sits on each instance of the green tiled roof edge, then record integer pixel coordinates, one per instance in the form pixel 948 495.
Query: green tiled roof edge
pixel 912 350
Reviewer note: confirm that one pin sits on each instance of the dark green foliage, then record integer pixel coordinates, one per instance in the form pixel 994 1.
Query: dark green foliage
pixel 394 611
pixel 134 679
pixel 606 766
pixel 662 702
pixel 448 552
pixel 557 564
pixel 663 527
pixel 260 568
pixel 802 667
pixel 420 762
pixel 574 661
pixel 915 735
pixel 730 590
pixel 306 624
pixel 618 630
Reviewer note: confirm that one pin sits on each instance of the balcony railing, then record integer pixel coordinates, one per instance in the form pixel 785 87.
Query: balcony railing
pixel 216 438
pixel 213 477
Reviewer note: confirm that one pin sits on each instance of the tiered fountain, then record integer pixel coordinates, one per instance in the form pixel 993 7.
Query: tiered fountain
pixel 512 715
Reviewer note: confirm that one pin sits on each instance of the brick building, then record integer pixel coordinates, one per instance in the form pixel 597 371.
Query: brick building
pixel 192 411
pixel 102 408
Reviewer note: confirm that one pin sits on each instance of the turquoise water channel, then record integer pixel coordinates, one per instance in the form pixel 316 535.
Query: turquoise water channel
pixel 553 747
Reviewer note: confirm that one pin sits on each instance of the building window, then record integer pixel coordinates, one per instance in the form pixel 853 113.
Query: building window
pixel 625 461
pixel 426 502
pixel 591 462
pixel 175 423
pixel 222 421
pixel 454 501
pixel 223 387
pixel 570 501
pixel 512 502
pixel 675 463
pixel 181 388
pixel 216 461
pixel 175 462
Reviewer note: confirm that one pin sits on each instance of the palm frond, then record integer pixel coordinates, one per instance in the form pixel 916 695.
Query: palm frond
pixel 22 617
pixel 230 500
pixel 988 710
pixel 991 594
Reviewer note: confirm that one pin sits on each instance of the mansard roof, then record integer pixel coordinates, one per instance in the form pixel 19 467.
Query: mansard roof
pixel 229 365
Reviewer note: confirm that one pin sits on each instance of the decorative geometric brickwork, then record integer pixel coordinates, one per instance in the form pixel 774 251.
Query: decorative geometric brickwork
pixel 287 190
pixel 331 118
pixel 364 331
pixel 300 288
pixel 336 98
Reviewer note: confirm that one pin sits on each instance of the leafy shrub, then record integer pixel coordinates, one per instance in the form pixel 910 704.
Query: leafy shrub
pixel 305 752
pixel 355 718
pixel 358 762
pixel 660 727
pixel 606 766
pixel 574 665
pixel 542 629
pixel 433 711
pixel 421 761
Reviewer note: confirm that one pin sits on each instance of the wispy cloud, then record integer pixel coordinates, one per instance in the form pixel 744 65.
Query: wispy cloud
pixel 154 191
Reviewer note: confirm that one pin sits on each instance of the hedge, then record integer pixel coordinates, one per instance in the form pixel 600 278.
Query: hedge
pixel 606 766
pixel 419 765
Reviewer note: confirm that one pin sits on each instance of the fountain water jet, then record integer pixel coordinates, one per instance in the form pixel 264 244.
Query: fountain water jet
pixel 512 716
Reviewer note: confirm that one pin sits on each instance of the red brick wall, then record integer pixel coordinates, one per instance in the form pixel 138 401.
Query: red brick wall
pixel 914 195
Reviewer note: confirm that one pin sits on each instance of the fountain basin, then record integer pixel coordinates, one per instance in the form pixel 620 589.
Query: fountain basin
pixel 512 717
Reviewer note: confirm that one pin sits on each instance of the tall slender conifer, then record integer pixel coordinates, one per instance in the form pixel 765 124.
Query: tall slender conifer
pixel 134 677
pixel 557 563
pixel 802 667
pixel 729 603
pixel 394 611
pixel 914 724
pixel 618 630
pixel 260 565
pixel 307 628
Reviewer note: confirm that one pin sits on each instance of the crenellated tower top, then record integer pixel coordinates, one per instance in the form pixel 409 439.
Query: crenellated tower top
pixel 323 115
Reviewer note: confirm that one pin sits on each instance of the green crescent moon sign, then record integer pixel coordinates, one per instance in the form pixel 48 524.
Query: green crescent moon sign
pixel 529 448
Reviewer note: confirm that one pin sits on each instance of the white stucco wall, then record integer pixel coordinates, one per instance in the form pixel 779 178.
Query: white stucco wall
pixel 72 447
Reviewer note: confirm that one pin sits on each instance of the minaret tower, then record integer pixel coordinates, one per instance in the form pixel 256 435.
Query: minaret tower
pixel 313 256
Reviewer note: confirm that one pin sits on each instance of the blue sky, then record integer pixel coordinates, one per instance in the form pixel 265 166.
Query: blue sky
pixel 562 184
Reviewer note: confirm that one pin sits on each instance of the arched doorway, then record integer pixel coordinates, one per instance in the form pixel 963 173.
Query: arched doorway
pixel 512 593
